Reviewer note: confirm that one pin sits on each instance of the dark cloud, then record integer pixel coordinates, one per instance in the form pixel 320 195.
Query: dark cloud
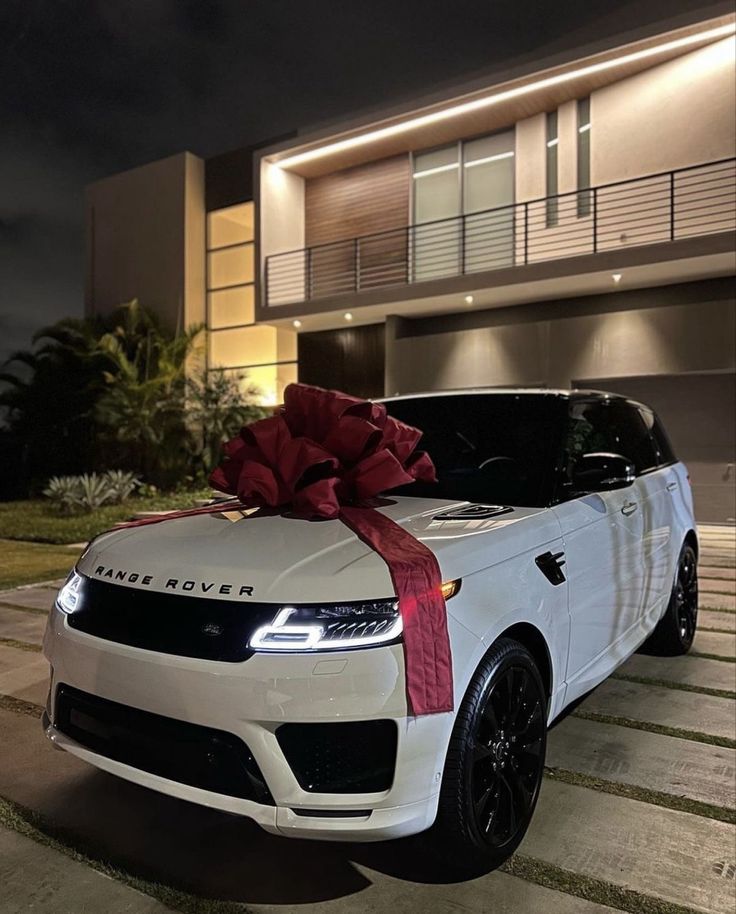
pixel 90 87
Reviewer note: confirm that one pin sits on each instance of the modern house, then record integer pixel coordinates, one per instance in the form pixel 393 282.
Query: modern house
pixel 570 222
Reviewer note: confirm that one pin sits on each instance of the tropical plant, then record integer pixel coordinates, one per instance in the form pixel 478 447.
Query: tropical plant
pixel 121 484
pixel 217 406
pixel 142 411
pixel 63 492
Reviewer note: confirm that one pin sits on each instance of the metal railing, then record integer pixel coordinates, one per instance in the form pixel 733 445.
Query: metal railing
pixel 665 207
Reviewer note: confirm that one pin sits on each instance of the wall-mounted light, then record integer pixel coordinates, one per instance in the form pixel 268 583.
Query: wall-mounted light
pixel 476 104
pixel 468 299
pixel 616 277
pixel 348 316
pixel 296 324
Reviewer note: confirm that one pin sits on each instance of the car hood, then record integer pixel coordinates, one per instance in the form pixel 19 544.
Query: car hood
pixel 231 555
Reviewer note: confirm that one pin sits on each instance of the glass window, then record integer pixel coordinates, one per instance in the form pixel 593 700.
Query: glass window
pixel 584 128
pixel 230 267
pixel 552 182
pixel 488 172
pixel 231 307
pixel 436 184
pixel 493 448
pixel 608 426
pixel 232 225
pixel 662 444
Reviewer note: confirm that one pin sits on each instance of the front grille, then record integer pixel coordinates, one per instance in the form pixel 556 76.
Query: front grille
pixel 350 757
pixel 188 753
pixel 169 623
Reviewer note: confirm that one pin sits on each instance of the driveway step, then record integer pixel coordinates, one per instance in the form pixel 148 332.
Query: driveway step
pixel 46 881
pixel 31 597
pixel 715 643
pixel 21 626
pixel 667 707
pixel 679 767
pixel 710 600
pixel 673 855
pixel 23 674
pixel 717 585
pixel 708 619
pixel 693 671
pixel 716 571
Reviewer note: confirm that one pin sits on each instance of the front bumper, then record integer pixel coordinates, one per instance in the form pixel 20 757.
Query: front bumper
pixel 251 700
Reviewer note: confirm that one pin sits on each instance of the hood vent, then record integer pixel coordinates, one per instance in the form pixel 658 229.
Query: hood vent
pixel 473 512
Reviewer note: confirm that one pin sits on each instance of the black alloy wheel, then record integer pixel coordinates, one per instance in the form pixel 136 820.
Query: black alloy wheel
pixel 495 763
pixel 507 755
pixel 676 629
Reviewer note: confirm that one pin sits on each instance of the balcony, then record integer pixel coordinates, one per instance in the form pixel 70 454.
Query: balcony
pixel 654 210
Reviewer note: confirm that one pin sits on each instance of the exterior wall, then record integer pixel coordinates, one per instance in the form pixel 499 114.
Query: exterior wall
pixel 358 201
pixel 145 240
pixel 679 113
pixel 523 346
pixel 281 220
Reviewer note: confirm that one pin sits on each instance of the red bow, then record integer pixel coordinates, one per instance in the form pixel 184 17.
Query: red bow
pixel 323 456
pixel 325 449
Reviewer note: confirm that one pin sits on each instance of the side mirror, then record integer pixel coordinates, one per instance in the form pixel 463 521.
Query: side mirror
pixel 602 472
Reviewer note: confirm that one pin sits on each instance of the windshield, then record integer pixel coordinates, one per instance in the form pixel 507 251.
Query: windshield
pixel 492 448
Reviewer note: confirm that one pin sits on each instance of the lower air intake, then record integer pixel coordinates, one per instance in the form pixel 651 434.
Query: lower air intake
pixel 352 757
pixel 188 753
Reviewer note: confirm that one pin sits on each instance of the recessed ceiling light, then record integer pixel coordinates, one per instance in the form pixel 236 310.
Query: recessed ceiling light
pixel 348 316
pixel 468 299
pixel 616 277
pixel 296 324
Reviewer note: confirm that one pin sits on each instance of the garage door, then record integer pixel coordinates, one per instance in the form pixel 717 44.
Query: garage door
pixel 699 413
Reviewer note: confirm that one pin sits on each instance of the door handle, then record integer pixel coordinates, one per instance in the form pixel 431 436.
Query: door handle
pixel 671 486
pixel 629 507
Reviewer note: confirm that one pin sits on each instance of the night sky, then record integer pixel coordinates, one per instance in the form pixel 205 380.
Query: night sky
pixel 91 88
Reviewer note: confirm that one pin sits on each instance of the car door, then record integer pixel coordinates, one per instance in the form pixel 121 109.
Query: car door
pixel 656 480
pixel 602 532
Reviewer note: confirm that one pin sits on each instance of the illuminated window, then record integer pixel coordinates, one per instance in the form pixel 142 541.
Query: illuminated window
pixel 585 198
pixel 263 357
pixel 552 159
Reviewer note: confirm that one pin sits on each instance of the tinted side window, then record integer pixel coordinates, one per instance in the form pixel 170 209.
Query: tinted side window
pixel 662 445
pixel 612 426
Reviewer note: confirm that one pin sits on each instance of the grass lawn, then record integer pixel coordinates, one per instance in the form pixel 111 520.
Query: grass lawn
pixel 28 563
pixel 36 521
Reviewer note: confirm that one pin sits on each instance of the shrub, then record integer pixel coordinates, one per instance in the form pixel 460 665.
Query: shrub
pixel 121 484
pixel 88 492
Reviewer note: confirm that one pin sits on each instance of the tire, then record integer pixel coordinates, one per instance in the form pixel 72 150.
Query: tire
pixel 494 764
pixel 675 631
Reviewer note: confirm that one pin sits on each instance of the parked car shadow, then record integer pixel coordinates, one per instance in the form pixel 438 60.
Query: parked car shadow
pixel 212 854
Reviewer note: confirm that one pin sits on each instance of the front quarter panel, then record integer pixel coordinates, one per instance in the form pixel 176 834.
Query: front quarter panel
pixel 510 591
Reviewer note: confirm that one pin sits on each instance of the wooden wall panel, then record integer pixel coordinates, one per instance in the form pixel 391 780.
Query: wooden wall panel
pixel 348 204
pixel 357 201
pixel 350 359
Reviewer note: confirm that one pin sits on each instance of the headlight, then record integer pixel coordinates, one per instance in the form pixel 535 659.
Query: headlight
pixel 330 627
pixel 69 597
pixel 335 626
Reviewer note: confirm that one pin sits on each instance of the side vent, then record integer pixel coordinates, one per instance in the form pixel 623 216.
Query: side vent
pixel 473 512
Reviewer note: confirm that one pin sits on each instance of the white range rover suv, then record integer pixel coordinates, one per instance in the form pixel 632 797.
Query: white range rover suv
pixel 563 526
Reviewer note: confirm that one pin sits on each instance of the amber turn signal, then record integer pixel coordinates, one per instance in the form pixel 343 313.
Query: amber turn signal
pixel 450 588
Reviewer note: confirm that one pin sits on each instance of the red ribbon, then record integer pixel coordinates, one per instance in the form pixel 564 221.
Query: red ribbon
pixel 325 455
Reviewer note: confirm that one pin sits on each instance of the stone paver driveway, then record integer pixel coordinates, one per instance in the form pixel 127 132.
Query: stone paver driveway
pixel 636 814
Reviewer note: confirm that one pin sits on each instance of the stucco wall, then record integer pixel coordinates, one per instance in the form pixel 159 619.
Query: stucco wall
pixel 145 240
pixel 679 113
pixel 669 339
